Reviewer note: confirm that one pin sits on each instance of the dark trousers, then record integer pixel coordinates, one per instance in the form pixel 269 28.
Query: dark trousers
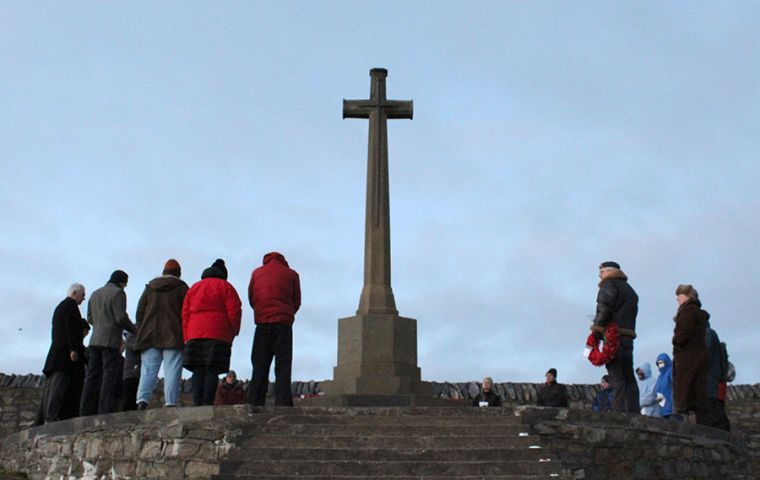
pixel 129 387
pixel 57 389
pixel 625 396
pixel 272 340
pixel 204 382
pixel 103 374
pixel 714 415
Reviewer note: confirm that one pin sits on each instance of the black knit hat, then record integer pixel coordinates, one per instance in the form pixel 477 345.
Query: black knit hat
pixel 118 276
pixel 216 270
pixel 219 263
pixel 553 371
pixel 609 265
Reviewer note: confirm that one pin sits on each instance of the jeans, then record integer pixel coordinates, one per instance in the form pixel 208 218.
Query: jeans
pixel 272 340
pixel 151 362
pixel 103 373
pixel 205 380
pixel 625 396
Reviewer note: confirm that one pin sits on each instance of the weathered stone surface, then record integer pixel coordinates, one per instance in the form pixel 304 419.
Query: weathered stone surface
pixel 201 469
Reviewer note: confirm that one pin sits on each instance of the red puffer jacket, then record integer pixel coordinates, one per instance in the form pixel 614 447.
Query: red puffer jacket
pixel 274 291
pixel 212 309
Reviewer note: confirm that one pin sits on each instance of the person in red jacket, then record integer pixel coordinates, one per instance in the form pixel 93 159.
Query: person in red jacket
pixel 211 315
pixel 275 296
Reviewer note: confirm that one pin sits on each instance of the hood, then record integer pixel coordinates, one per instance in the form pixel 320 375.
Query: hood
pixel 275 256
pixel 647 369
pixel 666 358
pixel 165 283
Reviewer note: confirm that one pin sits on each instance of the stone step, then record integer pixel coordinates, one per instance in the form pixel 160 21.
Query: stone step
pixel 399 420
pixel 391 454
pixel 409 468
pixel 384 441
pixel 387 412
pixel 380 430
pixel 394 477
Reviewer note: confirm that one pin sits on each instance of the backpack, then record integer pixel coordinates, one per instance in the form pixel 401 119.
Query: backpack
pixel 727 369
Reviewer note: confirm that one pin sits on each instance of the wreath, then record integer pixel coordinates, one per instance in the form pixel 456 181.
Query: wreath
pixel 604 355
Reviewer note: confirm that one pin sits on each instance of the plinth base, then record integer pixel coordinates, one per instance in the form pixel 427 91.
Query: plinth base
pixel 377 356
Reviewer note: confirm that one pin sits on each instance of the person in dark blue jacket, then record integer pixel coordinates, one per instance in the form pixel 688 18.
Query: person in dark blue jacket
pixel 603 399
pixel 664 387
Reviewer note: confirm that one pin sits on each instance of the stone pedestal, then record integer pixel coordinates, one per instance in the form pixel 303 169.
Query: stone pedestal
pixel 377 355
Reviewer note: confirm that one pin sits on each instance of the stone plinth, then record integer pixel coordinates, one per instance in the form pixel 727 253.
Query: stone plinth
pixel 377 355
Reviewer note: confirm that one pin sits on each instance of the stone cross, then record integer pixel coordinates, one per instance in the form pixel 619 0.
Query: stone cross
pixel 377 295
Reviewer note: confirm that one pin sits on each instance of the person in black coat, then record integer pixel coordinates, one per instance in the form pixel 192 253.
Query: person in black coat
pixel 64 365
pixel 487 395
pixel 618 303
pixel 551 393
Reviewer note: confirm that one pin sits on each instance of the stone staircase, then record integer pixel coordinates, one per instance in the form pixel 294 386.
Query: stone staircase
pixel 389 444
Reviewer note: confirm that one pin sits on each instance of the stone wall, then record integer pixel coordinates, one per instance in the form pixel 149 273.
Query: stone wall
pixel 20 397
pixel 192 443
pixel 176 443
pixel 615 445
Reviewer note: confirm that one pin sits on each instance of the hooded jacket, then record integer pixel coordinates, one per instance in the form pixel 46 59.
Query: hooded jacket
pixel 159 314
pixel 647 394
pixel 212 308
pixel 664 384
pixel 690 358
pixel 274 291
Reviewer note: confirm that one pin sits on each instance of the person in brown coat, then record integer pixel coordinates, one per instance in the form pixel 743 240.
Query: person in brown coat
pixel 689 353
pixel 230 391
pixel 159 335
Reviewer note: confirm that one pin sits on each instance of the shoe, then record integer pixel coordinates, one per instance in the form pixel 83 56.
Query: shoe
pixel 142 405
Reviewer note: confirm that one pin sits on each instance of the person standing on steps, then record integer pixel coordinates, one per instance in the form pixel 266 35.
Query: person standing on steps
pixel 107 313
pixel 64 365
pixel 618 303
pixel 211 315
pixel 274 293
pixel 159 335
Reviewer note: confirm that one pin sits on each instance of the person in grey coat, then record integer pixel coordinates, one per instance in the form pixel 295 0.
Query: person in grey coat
pixel 107 313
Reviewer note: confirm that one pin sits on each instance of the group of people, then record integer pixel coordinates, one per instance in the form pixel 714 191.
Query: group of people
pixel 177 326
pixel 692 384
pixel 194 328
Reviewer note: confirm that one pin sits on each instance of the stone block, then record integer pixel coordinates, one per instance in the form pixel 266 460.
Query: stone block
pixel 200 469
pixel 165 470
pixel 125 469
pixel 151 449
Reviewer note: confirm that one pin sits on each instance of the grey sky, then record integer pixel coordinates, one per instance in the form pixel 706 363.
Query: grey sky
pixel 547 137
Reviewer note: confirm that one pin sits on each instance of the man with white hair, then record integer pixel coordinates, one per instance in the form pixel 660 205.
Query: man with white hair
pixel 64 366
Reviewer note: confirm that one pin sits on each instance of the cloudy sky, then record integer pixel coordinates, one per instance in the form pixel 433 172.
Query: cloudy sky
pixel 547 137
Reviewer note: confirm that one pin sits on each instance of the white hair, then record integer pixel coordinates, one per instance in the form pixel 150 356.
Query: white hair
pixel 75 287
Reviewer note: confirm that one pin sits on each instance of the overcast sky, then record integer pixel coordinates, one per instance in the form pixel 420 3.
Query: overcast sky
pixel 547 137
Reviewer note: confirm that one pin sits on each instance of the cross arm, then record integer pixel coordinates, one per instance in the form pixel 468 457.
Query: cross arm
pixel 399 108
pixel 357 108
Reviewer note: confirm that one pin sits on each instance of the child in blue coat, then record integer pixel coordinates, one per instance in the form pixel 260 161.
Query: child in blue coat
pixel 664 387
